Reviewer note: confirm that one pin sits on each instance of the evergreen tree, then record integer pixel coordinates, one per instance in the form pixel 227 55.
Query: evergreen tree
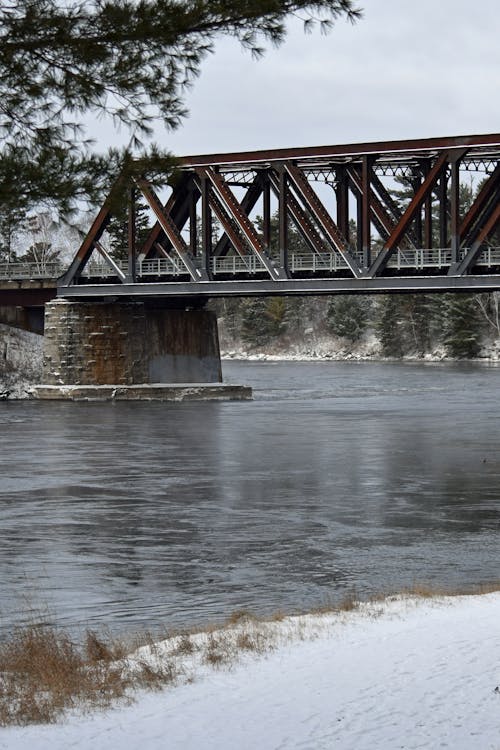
pixel 263 319
pixel 10 220
pixel 390 325
pixel 347 316
pixel 61 61
pixel 462 327
pixel 117 229
pixel 422 314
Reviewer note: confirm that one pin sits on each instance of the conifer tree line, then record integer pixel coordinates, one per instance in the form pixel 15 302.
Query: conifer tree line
pixel 405 324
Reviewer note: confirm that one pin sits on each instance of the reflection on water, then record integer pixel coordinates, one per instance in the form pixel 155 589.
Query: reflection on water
pixel 338 476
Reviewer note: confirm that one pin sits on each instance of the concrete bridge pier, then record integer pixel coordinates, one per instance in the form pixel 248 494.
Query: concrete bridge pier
pixel 131 350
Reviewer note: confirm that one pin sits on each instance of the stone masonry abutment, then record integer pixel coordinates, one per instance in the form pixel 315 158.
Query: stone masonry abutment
pixel 128 343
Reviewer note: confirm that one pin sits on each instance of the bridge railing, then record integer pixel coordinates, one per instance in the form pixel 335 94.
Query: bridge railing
pixel 329 262
pixel 233 265
pixel 155 267
pixel 17 270
pixel 421 258
pixel 236 264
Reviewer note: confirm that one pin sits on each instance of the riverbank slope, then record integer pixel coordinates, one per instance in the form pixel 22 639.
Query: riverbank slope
pixel 402 673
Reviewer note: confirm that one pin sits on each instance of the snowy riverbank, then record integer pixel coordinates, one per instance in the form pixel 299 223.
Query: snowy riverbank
pixel 404 673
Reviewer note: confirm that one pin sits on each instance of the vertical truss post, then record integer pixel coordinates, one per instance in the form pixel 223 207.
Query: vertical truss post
pixel 366 240
pixel 455 212
pixel 342 197
pixel 283 219
pixel 266 214
pixel 206 226
pixel 428 239
pixel 193 223
pixel 359 225
pixel 132 255
pixel 443 209
pixel 416 181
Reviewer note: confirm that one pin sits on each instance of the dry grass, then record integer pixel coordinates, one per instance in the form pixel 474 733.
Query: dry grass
pixel 431 591
pixel 44 674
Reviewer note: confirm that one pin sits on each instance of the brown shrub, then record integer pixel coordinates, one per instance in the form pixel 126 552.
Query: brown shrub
pixel 43 674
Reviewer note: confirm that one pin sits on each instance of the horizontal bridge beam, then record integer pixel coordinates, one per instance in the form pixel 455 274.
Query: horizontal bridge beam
pixel 321 153
pixel 286 287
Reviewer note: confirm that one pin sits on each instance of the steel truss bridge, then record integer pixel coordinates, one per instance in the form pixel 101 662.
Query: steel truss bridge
pixel 215 235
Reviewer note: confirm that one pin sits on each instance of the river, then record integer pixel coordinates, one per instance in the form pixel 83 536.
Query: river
pixel 338 477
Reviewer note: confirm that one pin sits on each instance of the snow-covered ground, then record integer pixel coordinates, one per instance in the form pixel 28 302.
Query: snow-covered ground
pixel 405 673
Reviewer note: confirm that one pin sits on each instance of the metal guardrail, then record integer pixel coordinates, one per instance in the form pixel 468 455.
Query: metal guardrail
pixel 155 267
pixel 235 265
pixel 329 262
pixel 33 271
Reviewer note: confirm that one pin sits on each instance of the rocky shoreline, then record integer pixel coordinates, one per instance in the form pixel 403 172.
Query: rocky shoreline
pixel 21 356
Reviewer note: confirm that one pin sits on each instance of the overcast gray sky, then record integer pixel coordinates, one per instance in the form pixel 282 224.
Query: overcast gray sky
pixel 409 69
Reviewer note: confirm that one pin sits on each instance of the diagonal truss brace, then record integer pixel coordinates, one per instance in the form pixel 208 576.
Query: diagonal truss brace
pixel 171 231
pixel 92 238
pixel 487 192
pixel 174 205
pixel 384 222
pixel 380 217
pixel 306 193
pixel 302 221
pixel 426 186
pixel 476 248
pixel 109 260
pixel 229 204
pixel 248 203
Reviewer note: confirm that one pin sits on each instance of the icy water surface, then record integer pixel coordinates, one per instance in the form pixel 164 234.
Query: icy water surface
pixel 337 477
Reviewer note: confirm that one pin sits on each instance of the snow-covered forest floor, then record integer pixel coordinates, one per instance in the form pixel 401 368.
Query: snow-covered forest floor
pixel 406 672
pixel 20 361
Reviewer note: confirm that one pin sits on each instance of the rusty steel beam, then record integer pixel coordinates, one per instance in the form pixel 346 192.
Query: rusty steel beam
pixel 178 207
pixel 181 291
pixel 379 215
pixel 193 226
pixel 284 196
pixel 443 209
pixel 266 214
pixel 414 205
pixel 300 218
pixel 206 224
pixel 342 197
pixel 487 191
pixel 383 149
pixel 132 250
pixel 366 210
pixel 93 235
pixel 475 251
pixel 110 261
pixel 33 297
pixel 171 230
pixel 455 212
pixel 313 204
pixel 428 219
pixel 241 221
pixel 248 203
